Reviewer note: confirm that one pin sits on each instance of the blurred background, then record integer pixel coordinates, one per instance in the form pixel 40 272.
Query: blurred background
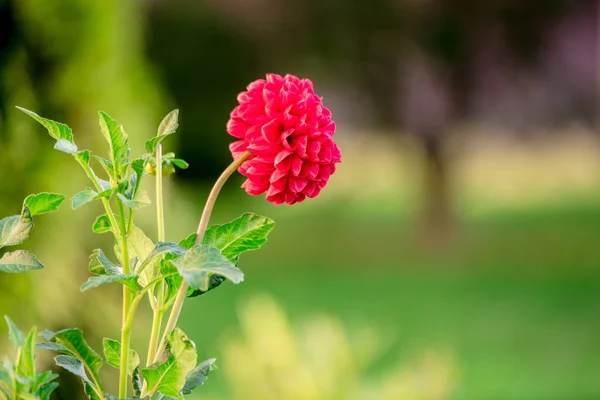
pixel 454 254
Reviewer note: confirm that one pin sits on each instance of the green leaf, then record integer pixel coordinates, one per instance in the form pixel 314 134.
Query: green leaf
pixel 179 163
pixel 167 127
pixel 65 146
pixel 117 139
pixel 100 264
pixel 138 166
pixel 43 379
pixel 142 246
pixel 136 382
pixel 248 232
pixel 57 347
pixel 83 157
pixel 14 334
pixel 83 197
pixel 102 224
pixel 73 365
pixel 57 130
pixel 168 376
pixel 169 124
pixel 129 280
pixel 26 360
pixel 77 349
pixel 214 282
pixel 45 391
pixel 200 262
pixel 189 241
pixel 141 200
pixel 15 230
pixel 42 203
pixel 106 165
pixel 112 354
pixel 19 261
pixel 198 376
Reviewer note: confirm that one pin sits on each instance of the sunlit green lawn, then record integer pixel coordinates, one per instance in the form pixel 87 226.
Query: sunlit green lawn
pixel 517 299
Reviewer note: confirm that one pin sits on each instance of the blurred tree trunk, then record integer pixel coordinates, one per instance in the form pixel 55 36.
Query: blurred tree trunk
pixel 437 219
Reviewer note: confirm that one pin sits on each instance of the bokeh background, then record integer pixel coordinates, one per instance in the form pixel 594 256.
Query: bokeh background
pixel 455 253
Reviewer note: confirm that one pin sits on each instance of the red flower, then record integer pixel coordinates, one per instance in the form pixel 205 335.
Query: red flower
pixel 283 124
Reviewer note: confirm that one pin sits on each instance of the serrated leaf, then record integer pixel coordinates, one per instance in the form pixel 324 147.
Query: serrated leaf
pixel 198 376
pixel 26 360
pixel 248 232
pixel 73 365
pixel 85 196
pixel 200 262
pixel 167 127
pixel 15 230
pixel 65 146
pixel 141 200
pixel 129 280
pixel 100 264
pixel 189 241
pixel 112 354
pixel 106 165
pixel 42 203
pixel 78 349
pixel 14 334
pixel 117 140
pixel 168 376
pixel 52 346
pixel 18 262
pixel 56 129
pixel 78 358
pixel 102 224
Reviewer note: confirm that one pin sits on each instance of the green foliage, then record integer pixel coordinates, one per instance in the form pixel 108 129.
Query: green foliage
pixel 118 142
pixel 200 262
pixel 158 270
pixel 19 380
pixel 57 130
pixel 102 224
pixel 129 280
pixel 76 357
pixel 19 261
pixel 167 127
pixel 43 203
pixel 112 354
pixel 168 376
pixel 198 376
pixel 101 265
pixel 248 232
pixel 15 230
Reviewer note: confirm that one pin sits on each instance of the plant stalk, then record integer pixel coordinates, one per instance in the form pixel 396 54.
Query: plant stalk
pixel 126 327
pixel 158 313
pixel 202 226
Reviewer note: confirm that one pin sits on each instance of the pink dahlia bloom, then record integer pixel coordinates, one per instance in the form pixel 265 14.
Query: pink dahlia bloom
pixel 283 124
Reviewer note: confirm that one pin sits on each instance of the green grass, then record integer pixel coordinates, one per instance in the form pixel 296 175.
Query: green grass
pixel 515 297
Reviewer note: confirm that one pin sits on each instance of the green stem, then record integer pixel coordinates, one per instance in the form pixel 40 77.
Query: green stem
pixel 202 226
pixel 126 328
pixel 158 313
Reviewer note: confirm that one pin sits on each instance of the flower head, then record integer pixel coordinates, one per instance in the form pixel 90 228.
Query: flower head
pixel 288 132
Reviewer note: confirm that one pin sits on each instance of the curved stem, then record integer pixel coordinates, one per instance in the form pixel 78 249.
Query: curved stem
pixel 158 313
pixel 202 226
